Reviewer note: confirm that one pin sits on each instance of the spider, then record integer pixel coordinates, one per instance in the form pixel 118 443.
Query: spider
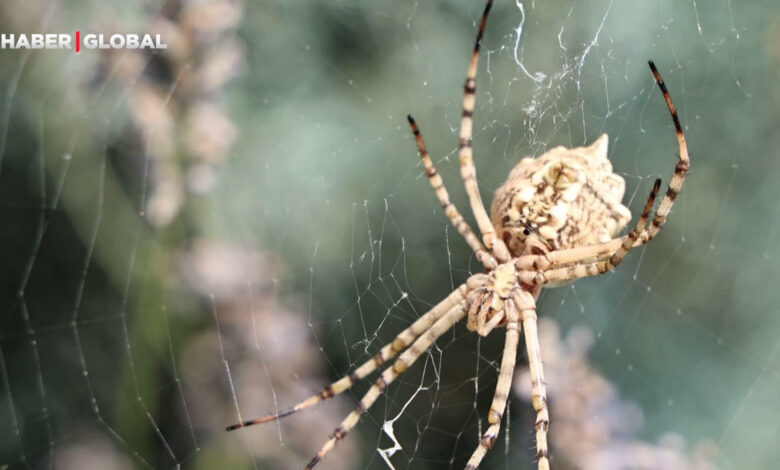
pixel 553 221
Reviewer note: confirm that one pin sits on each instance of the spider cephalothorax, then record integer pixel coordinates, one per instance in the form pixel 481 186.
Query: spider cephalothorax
pixel 553 221
pixel 567 197
pixel 491 303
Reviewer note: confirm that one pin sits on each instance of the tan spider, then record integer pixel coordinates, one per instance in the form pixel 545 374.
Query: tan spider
pixel 553 221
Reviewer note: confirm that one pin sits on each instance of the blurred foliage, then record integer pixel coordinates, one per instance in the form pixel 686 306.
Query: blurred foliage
pixel 314 174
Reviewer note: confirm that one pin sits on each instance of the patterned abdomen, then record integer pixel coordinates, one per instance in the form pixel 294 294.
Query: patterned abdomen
pixel 567 197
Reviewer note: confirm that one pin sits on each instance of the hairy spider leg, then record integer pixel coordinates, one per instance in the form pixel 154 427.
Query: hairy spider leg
pixel 584 269
pixel 527 306
pixel 504 385
pixel 683 164
pixel 467 170
pixel 449 208
pixel 561 258
pixel 406 359
pixel 387 352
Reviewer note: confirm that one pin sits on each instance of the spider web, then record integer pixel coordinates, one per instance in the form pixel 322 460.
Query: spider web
pixel 215 232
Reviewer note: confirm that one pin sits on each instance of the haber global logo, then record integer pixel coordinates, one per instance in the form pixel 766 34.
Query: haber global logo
pixel 77 41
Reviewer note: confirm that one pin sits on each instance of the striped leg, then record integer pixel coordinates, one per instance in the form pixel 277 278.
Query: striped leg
pixel 449 208
pixel 573 255
pixel 576 271
pixel 467 169
pixel 502 387
pixel 400 343
pixel 567 257
pixel 555 259
pixel 527 306
pixel 683 165
pixel 406 359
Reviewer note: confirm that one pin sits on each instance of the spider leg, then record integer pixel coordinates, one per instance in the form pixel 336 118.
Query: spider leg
pixel 683 164
pixel 407 358
pixel 558 258
pixel 467 170
pixel 503 386
pixel 579 254
pixel 449 208
pixel 576 271
pixel 398 344
pixel 569 256
pixel 527 305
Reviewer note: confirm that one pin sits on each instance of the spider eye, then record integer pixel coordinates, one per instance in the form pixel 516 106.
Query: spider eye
pixel 526 232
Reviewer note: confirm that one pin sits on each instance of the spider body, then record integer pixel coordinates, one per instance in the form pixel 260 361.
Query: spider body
pixel 491 303
pixel 567 197
pixel 552 221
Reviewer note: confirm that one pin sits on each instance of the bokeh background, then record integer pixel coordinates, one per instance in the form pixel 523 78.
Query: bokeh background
pixel 219 229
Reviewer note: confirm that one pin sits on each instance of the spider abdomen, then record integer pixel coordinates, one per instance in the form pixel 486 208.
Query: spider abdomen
pixel 566 197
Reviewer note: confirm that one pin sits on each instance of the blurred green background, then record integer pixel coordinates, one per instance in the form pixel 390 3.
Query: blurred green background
pixel 221 228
